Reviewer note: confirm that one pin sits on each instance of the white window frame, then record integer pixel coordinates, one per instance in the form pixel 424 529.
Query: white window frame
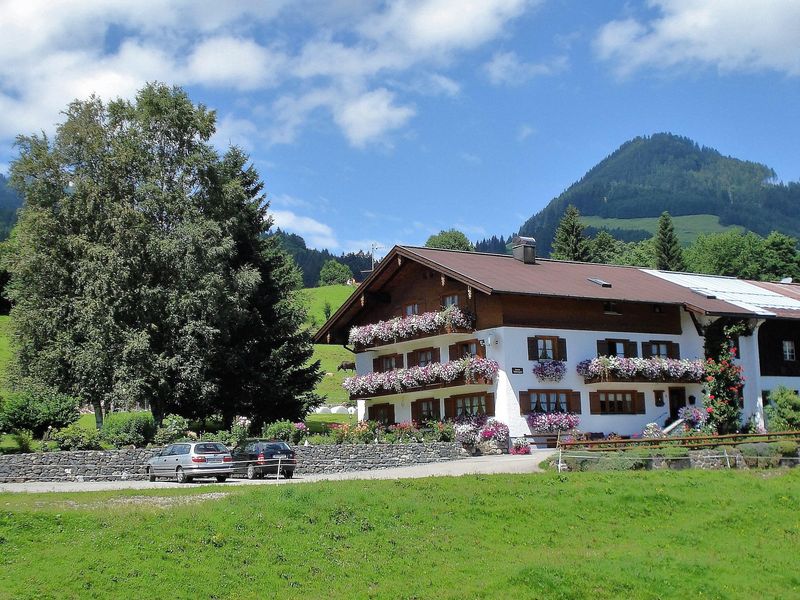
pixel 789 352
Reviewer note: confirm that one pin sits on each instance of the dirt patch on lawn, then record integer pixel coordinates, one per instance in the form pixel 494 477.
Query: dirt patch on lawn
pixel 150 501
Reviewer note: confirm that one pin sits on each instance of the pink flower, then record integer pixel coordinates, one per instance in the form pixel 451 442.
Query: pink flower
pixel 709 410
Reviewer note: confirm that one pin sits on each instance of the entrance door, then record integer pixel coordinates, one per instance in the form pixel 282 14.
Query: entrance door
pixel 677 400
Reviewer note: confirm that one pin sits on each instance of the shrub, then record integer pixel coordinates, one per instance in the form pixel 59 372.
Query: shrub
pixel 172 428
pixel 279 430
pixel 24 439
pixel 783 412
pixel 520 446
pixel 128 429
pixel 760 454
pixel 75 437
pixel 787 448
pixel 438 431
pixel 38 408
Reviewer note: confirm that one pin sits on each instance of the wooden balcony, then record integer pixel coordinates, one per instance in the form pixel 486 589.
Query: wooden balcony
pixel 461 381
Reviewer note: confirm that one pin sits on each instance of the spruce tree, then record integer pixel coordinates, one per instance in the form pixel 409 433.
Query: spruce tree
pixel 569 242
pixel 669 256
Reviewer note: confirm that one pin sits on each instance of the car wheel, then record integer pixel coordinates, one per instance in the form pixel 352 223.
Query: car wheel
pixel 181 477
pixel 221 478
pixel 251 472
pixel 150 475
pixel 288 474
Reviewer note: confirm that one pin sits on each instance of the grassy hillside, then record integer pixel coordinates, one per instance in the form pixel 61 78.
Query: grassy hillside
pixel 656 534
pixel 330 357
pixel 316 298
pixel 687 227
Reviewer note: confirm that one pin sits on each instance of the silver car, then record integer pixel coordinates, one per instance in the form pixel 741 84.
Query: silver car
pixel 185 461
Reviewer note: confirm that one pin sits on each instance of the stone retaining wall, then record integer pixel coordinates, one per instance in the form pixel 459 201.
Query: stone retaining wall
pixel 116 465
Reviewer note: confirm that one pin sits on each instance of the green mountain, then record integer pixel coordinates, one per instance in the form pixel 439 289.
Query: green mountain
pixel 648 175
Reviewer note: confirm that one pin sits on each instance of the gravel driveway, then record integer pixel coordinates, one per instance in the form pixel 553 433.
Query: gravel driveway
pixel 466 466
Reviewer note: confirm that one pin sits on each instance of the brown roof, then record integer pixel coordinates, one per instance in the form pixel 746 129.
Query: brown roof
pixel 497 273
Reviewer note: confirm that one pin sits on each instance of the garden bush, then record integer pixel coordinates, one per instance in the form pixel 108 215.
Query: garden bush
pixel 172 428
pixel 279 430
pixel 783 412
pixel 128 429
pixel 75 437
pixel 24 440
pixel 787 448
pixel 37 409
pixel 760 454
pixel 317 439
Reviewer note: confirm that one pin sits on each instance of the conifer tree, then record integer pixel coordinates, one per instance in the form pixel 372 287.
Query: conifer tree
pixel 569 242
pixel 669 256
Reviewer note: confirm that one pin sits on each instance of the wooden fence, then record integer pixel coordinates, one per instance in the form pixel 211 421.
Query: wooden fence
pixel 690 442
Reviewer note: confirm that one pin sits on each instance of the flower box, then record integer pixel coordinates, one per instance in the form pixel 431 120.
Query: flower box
pixel 450 320
pixel 648 370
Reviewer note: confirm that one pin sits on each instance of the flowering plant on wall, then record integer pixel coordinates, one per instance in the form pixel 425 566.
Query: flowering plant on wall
pixel 405 327
pixel 479 428
pixel 553 422
pixel 724 380
pixel 694 418
pixel 399 380
pixel 550 370
pixel 654 369
pixel 520 446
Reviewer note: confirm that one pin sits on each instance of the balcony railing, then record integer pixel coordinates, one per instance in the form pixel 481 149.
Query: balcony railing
pixel 470 370
pixel 657 370
pixel 450 320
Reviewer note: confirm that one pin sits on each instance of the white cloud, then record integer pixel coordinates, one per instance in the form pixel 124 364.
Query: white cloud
pixel 730 36
pixel 232 131
pixel 507 68
pixel 234 62
pixel 366 118
pixel 316 234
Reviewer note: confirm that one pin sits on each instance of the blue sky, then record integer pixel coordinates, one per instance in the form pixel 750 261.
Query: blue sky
pixel 388 121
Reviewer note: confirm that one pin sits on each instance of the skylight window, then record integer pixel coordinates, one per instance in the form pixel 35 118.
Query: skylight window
pixel 599 282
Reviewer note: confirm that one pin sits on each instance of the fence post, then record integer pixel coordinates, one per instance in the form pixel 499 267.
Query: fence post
pixel 727 458
pixel 559 460
pixel 278 472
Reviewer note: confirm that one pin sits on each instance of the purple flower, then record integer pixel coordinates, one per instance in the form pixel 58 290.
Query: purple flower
pixel 406 327
pixel 550 370
pixel 553 422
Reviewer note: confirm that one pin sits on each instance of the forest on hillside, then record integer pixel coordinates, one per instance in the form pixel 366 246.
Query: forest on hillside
pixel 663 172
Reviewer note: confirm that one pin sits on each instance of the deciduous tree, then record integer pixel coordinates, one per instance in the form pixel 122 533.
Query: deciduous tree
pixel 451 239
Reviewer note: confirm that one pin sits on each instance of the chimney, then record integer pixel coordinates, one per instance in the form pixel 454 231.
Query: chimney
pixel 525 250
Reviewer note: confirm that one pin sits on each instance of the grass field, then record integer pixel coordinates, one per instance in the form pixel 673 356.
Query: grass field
pixel 676 534
pixel 330 357
pixel 686 227
pixel 316 298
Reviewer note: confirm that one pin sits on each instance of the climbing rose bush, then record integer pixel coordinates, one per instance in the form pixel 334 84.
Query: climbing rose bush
pixel 654 369
pixel 399 380
pixel 553 422
pixel 724 381
pixel 550 370
pixel 410 326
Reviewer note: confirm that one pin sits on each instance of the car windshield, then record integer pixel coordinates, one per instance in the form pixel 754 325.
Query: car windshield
pixel 275 447
pixel 210 448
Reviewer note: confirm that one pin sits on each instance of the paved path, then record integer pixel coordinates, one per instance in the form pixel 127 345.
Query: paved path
pixel 466 466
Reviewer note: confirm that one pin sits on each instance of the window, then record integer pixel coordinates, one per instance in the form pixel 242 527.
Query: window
pixel 382 413
pixel 547 347
pixel 610 308
pixel 621 348
pixel 411 309
pixel 788 350
pixel 616 402
pixel 549 401
pixel 660 349
pixel 470 348
pixel 387 363
pixel 424 358
pixel 451 300
pixel 471 405
pixel 425 409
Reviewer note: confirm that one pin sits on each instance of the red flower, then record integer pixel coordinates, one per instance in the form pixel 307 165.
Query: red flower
pixel 711 396
pixel 709 410
pixel 733 350
pixel 709 379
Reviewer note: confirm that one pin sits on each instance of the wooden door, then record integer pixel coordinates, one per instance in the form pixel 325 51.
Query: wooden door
pixel 677 400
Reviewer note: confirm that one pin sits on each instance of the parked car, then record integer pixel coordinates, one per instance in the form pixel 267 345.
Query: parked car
pixel 258 457
pixel 189 460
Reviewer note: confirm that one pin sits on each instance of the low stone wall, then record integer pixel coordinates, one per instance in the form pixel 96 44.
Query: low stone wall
pixel 120 465
pixel 360 457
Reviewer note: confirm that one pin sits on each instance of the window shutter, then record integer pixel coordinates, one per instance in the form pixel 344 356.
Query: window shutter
pixel 398 361
pixel 437 409
pixel 390 413
pixel 453 351
pixel 376 365
pixel 631 349
pixel 490 405
pixel 415 412
pixel 594 403
pixel 562 349
pixel 533 349
pixel 524 403
pixel 412 359
pixel 371 413
pixel 449 408
pixel 602 347
pixel 638 403
pixel 481 352
pixel 436 355
pixel 574 402
pixel 674 350
pixel 647 349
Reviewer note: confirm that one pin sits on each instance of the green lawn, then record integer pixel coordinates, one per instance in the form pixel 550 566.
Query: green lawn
pixel 675 534
pixel 686 227
pixel 316 298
